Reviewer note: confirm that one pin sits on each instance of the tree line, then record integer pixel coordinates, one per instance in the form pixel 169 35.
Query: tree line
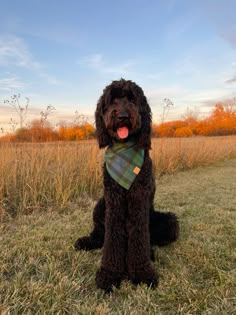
pixel 220 122
pixel 38 132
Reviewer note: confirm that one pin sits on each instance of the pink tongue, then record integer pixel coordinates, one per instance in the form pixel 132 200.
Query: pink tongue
pixel 123 132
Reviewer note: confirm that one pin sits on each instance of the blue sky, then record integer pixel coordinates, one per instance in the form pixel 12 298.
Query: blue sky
pixel 64 52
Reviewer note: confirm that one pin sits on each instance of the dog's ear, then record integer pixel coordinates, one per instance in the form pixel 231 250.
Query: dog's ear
pixel 144 137
pixel 102 134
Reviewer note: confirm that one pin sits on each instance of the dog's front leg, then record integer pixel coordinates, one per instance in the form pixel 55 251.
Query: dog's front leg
pixel 140 266
pixel 96 238
pixel 115 244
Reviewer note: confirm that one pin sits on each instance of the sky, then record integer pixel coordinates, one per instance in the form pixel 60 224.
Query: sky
pixel 64 52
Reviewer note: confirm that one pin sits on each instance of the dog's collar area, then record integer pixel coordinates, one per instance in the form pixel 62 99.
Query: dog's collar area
pixel 124 161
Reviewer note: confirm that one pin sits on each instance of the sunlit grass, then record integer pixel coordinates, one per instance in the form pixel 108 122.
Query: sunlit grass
pixel 40 176
pixel 171 155
pixel 36 177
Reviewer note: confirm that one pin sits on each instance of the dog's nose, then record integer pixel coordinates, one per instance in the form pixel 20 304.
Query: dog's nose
pixel 123 115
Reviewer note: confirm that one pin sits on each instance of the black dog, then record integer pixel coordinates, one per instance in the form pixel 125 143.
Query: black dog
pixel 125 222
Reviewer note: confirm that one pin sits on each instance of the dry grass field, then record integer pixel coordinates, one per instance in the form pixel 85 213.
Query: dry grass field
pixel 41 273
pixel 47 195
pixel 36 177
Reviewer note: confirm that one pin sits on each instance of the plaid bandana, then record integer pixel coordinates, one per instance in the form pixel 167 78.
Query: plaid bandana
pixel 124 162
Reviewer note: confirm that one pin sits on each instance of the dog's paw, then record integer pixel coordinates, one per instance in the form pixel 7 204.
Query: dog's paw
pixel 87 243
pixel 106 279
pixel 146 276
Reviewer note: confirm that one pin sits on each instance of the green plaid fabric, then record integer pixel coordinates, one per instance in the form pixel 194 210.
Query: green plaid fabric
pixel 123 162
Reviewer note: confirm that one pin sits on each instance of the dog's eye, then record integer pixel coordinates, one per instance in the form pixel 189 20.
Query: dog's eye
pixel 109 109
pixel 106 109
pixel 113 112
pixel 112 107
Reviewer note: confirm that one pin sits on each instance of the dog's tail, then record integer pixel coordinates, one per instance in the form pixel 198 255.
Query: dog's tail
pixel 164 228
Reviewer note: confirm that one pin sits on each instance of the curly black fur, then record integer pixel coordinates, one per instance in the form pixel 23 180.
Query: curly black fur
pixel 125 223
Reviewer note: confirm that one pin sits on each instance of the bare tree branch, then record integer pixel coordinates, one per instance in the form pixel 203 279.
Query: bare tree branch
pixel 21 110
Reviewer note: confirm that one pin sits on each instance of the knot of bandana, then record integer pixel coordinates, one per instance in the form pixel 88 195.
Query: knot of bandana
pixel 123 162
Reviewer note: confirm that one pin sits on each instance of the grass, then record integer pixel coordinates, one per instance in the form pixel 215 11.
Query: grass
pixel 180 154
pixel 42 274
pixel 43 177
pixel 36 177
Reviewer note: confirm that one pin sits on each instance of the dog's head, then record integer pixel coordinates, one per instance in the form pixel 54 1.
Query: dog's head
pixel 123 112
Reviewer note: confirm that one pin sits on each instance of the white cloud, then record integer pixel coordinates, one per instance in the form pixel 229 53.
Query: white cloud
pixel 14 51
pixel 11 83
pixel 231 80
pixel 50 78
pixel 92 61
pixel 97 62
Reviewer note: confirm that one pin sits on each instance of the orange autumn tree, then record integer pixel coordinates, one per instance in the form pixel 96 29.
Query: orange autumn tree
pixel 167 129
pixel 76 132
pixel 221 122
pixel 36 132
pixel 184 131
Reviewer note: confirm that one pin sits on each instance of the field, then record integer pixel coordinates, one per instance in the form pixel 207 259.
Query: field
pixel 47 194
pixel 45 177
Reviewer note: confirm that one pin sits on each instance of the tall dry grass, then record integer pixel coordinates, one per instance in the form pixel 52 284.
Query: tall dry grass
pixel 44 176
pixel 47 176
pixel 178 154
